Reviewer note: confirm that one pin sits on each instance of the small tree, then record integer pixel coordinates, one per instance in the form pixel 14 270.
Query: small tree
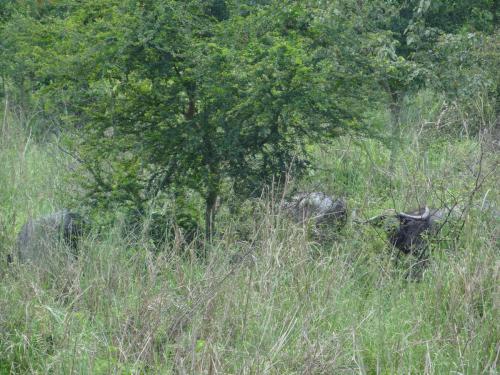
pixel 176 95
pixel 409 41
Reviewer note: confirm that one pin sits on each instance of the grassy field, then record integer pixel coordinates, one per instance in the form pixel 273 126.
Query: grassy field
pixel 291 306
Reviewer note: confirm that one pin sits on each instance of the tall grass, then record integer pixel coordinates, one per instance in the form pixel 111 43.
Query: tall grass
pixel 31 176
pixel 272 302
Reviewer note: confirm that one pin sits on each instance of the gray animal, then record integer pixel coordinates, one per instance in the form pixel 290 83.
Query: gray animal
pixel 38 237
pixel 317 206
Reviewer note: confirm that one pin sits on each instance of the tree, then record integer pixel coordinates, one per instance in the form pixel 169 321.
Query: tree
pixel 173 95
pixel 207 96
pixel 405 40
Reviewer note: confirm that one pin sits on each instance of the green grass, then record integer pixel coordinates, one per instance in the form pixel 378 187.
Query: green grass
pixel 296 308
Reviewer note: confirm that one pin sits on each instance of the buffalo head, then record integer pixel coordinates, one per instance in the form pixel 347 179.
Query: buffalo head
pixel 407 231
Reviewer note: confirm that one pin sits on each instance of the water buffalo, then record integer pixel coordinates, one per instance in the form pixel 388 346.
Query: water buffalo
pixel 409 237
pixel 38 237
pixel 409 231
pixel 317 206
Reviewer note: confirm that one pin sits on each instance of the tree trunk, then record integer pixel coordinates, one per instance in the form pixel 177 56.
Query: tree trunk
pixel 395 109
pixel 5 111
pixel 212 182
pixel 210 162
pixel 4 89
pixel 210 211
pixel 494 10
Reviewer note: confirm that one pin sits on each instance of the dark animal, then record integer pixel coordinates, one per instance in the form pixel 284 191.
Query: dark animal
pixel 38 237
pixel 410 232
pixel 317 206
pixel 408 235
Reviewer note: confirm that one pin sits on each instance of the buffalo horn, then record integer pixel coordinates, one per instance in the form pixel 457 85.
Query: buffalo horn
pixel 424 216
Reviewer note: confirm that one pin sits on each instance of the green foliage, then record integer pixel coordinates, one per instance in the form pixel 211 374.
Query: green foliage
pixel 212 97
pixel 170 96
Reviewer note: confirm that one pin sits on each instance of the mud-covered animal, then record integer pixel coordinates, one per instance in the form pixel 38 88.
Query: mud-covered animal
pixel 39 237
pixel 318 207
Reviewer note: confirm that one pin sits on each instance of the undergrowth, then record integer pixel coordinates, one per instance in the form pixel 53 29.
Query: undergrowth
pixel 269 301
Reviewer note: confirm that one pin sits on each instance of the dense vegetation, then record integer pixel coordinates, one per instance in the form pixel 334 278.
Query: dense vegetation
pixel 177 127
